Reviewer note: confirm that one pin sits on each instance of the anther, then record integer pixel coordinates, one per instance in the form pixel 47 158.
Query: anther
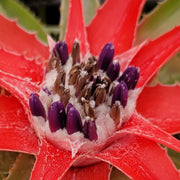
pixel 60 80
pixel 36 106
pixel 75 52
pixel 113 70
pixel 74 123
pixel 106 56
pixel 120 94
pixel 130 76
pixel 115 112
pixel 57 116
pixel 61 50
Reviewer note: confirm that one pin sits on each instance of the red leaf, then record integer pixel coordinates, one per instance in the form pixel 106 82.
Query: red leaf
pixel 51 163
pixel 136 125
pixel 115 22
pixel 75 27
pixel 20 88
pixel 99 171
pixel 15 39
pixel 155 54
pixel 125 58
pixel 160 105
pixel 15 129
pixel 20 66
pixel 140 159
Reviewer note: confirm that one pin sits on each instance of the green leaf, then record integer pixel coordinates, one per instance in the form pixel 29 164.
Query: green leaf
pixel 64 16
pixel 89 10
pixel 159 21
pixel 14 9
pixel 170 72
pixel 175 156
pixel 22 167
pixel 6 161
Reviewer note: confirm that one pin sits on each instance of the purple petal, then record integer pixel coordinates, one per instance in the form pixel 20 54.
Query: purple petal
pixel 74 123
pixel 92 131
pixel 120 94
pixel 113 70
pixel 61 50
pixel 69 106
pixel 130 77
pixel 85 129
pixel 36 107
pixel 106 56
pixel 57 116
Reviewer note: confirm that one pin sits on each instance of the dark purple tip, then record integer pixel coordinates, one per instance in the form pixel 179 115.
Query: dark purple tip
pixel 113 70
pixel 90 130
pixel 61 50
pixel 69 106
pixel 85 129
pixel 57 116
pixel 36 107
pixel 106 56
pixel 130 77
pixel 74 123
pixel 46 90
pixel 120 94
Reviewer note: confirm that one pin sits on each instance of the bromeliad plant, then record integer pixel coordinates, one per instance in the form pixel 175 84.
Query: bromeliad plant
pixel 84 101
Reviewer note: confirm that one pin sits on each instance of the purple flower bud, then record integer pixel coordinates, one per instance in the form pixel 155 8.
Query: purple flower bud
pixel 113 70
pixel 120 94
pixel 85 129
pixel 36 107
pixel 130 77
pixel 74 123
pixel 61 50
pixel 69 106
pixel 57 116
pixel 90 130
pixel 106 56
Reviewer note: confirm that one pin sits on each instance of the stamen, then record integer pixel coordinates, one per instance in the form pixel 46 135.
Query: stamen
pixel 115 112
pixel 60 80
pixel 100 95
pixel 130 77
pixel 75 52
pixel 61 50
pixel 92 86
pixel 36 106
pixel 120 94
pixel 57 116
pixel 106 56
pixel 89 111
pixel 53 63
pixel 90 130
pixel 113 70
pixel 74 123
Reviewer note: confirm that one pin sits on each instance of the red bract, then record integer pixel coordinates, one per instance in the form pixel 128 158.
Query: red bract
pixel 134 149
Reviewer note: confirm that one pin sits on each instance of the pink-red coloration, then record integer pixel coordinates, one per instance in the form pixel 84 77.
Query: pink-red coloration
pixel 15 129
pixel 76 27
pixel 15 39
pixel 160 105
pixel 134 148
pixel 120 31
